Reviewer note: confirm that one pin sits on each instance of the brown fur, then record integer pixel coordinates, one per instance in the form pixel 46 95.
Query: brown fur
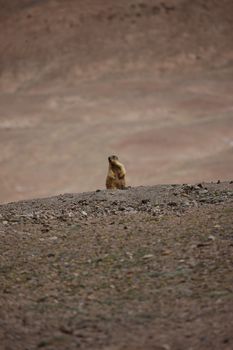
pixel 116 174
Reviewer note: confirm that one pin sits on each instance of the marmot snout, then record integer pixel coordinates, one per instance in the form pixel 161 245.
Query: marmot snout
pixel 116 174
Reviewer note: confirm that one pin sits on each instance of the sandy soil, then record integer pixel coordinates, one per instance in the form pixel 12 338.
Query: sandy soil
pixel 148 81
pixel 143 268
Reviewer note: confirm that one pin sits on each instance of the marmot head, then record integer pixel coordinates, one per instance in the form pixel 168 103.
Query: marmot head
pixel 112 159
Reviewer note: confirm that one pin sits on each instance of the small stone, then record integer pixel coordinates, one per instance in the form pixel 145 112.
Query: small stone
pixel 148 256
pixel 66 330
pixel 98 190
pixel 172 204
pixel 53 238
pixel 200 245
pixel 84 213
pixel 129 209
pixel 156 210
pixel 202 200
pixel 211 238
pixel 130 255
pixel 50 255
pixel 5 222
pixel 187 188
pixel 42 299
pixel 218 182
pixel 166 347
pixel 195 203
pixel 121 208
pixel 144 201
pixel 166 252
pixel 220 200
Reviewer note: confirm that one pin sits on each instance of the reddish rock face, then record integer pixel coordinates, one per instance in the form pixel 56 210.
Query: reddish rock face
pixel 80 80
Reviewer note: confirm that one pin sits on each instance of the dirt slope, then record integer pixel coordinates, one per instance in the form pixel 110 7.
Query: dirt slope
pixel 144 268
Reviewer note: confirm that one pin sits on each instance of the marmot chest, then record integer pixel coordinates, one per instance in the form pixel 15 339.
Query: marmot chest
pixel 116 171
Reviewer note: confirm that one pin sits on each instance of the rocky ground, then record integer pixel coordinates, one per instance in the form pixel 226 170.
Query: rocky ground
pixel 143 268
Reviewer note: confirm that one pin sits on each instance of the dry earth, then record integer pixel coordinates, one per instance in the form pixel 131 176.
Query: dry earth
pixel 148 267
pixel 144 268
pixel 148 80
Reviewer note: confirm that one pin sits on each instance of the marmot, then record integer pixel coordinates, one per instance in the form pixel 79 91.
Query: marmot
pixel 116 174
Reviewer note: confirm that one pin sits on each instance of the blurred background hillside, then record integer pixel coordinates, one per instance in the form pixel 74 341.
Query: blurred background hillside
pixel 148 80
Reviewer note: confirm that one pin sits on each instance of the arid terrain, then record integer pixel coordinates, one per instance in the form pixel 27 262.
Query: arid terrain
pixel 147 268
pixel 150 81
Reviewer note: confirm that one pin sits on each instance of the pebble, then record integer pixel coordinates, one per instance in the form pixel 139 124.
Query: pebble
pixel 121 208
pixel 172 204
pixel 211 238
pixel 156 210
pixel 202 200
pixel 144 201
pixel 53 238
pixel 129 209
pixel 49 255
pixel 204 191
pixel 148 256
